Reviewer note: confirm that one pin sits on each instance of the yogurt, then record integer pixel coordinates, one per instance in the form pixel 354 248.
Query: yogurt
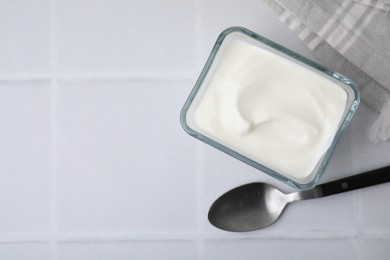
pixel 269 108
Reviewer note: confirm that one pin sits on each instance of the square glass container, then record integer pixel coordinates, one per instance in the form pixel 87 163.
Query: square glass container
pixel 242 34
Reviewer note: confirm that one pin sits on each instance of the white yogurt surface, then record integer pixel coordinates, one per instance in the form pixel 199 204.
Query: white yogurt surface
pixel 270 109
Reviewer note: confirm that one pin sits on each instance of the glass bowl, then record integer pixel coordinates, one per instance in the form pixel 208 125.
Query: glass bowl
pixel 235 34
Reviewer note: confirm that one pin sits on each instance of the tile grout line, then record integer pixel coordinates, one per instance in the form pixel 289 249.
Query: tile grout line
pixel 358 221
pixel 198 34
pixel 53 126
pixel 53 183
pixel 199 151
pixel 136 236
pixel 305 235
pixel 166 76
pixel 200 215
pixel 74 237
pixel 356 208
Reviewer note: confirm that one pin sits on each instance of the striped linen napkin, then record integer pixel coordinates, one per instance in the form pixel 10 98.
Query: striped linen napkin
pixel 351 37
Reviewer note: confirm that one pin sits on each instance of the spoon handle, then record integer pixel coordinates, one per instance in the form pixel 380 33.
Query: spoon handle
pixel 355 182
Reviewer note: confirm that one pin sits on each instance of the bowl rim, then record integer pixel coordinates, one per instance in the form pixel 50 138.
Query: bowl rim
pixel 343 80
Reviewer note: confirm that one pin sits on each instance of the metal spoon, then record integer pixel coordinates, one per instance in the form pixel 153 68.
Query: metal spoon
pixel 257 205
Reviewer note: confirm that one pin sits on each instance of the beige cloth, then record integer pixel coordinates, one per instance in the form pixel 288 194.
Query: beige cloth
pixel 351 37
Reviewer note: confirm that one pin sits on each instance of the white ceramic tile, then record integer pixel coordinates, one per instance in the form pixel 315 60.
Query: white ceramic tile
pixel 25 157
pixel 25 251
pixel 25 35
pixel 217 15
pixel 164 250
pixel 125 164
pixel 363 154
pixel 279 249
pixel 373 249
pixel 125 36
pixel 375 210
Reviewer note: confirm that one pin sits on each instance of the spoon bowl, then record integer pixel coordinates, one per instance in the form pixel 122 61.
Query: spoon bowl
pixel 248 206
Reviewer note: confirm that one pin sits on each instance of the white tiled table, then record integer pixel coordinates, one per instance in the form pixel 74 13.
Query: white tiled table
pixel 94 163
